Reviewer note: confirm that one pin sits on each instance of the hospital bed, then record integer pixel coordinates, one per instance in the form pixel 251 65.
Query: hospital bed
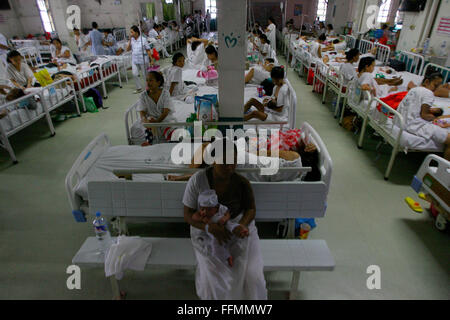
pixel 21 116
pixel 90 188
pixel 365 46
pixel 350 41
pixel 87 78
pixel 120 34
pixel 41 48
pixel 109 67
pixel 414 62
pixel 383 53
pixel 31 56
pixel 433 178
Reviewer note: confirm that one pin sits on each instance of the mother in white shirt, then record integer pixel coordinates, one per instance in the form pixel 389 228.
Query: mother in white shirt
pixel 62 54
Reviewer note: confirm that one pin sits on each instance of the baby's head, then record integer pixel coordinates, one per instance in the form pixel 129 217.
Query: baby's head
pixel 208 203
pixel 437 111
pixel 14 94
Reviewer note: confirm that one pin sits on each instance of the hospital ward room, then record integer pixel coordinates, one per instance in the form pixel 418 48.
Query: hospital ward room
pixel 224 150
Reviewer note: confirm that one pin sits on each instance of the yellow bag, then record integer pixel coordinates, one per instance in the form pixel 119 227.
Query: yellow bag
pixel 43 77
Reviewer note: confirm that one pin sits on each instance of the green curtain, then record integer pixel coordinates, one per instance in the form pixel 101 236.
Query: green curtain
pixel 168 11
pixel 151 10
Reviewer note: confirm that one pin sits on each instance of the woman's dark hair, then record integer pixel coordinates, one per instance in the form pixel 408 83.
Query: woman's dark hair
pixel 12 54
pixel 57 40
pixel 431 76
pixel 94 25
pixel 270 60
pixel 176 56
pixel 195 44
pixel 322 37
pixel 76 29
pixel 330 26
pixel 350 54
pixel 136 29
pixel 384 26
pixel 165 24
pixel 365 62
pixel 277 73
pixel 264 37
pixel 336 41
pixel 271 20
pixel 439 113
pixel 211 50
pixel 158 77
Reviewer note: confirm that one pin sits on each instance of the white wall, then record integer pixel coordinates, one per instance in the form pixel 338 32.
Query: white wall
pixel 342 14
pixel 12 25
pixel 416 26
pixel 436 38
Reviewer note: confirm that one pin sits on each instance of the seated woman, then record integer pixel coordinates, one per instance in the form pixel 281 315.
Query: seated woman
pixel 316 46
pixel 156 106
pixel 419 116
pixel 264 48
pixel 174 80
pixel 214 278
pixel 213 56
pixel 19 72
pixel 347 69
pixel 61 54
pixel 369 83
pixel 274 108
pixel 259 73
pixel 110 43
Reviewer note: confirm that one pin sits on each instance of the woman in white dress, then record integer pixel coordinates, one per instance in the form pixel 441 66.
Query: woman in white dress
pixel 18 72
pixel 214 279
pixel 156 105
pixel 62 54
pixel 271 34
pixel 140 57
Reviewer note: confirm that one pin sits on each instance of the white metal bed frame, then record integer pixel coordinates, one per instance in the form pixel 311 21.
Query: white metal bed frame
pixel 350 41
pixel 414 62
pixel 86 80
pixel 48 105
pixel 383 52
pixel 162 200
pixel 108 70
pixel 32 56
pixel 365 46
pixel 120 34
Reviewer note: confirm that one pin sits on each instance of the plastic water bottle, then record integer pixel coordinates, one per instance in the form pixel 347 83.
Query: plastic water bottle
pixel 101 232
pixel 333 103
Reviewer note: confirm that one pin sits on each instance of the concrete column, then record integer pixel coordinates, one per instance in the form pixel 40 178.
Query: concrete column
pixel 58 11
pixel 232 44
pixel 178 11
pixel 130 14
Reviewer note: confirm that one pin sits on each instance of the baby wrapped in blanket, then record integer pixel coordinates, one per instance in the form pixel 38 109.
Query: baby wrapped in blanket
pixel 210 211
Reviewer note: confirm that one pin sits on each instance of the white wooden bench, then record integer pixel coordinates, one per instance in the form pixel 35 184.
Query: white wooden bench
pixel 278 255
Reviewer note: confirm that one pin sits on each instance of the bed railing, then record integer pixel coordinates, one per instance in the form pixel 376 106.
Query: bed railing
pixel 82 165
pixel 365 46
pixel 383 52
pixel 443 70
pixel 414 62
pixel 120 34
pixel 31 55
pixel 54 99
pixel 350 41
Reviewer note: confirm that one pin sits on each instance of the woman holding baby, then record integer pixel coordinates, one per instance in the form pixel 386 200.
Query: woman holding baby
pixel 215 277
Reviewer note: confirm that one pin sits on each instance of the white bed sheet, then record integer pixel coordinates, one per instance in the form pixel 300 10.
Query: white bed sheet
pixel 19 116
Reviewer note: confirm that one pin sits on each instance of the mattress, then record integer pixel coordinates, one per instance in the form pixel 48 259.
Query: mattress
pixel 159 156
pixel 19 116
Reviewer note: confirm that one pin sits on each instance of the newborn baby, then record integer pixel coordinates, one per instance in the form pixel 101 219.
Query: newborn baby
pixel 210 211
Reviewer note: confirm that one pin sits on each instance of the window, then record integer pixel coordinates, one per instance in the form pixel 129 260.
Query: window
pixel 211 6
pixel 322 6
pixel 384 11
pixel 46 18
